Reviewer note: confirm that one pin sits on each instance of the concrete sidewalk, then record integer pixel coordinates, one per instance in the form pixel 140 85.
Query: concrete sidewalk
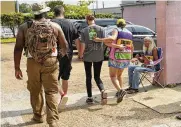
pixel 16 112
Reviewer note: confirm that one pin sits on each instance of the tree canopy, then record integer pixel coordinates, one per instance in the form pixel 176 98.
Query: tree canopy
pixel 25 8
pixel 78 11
pixel 52 4
pixel 11 20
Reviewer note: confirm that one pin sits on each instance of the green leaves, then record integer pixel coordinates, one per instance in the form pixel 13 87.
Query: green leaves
pixel 52 4
pixel 85 3
pixel 12 20
pixel 18 18
pixel 104 15
pixel 76 11
pixel 79 11
pixel 25 8
pixel 50 15
pixel 27 17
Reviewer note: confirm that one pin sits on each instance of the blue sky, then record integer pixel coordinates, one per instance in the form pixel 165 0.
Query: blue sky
pixel 107 3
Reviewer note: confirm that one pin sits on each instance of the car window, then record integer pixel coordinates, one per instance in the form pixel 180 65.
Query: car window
pixel 142 31
pixel 130 29
pixel 80 25
pixel 127 22
pixel 102 23
pixel 83 24
pixel 106 23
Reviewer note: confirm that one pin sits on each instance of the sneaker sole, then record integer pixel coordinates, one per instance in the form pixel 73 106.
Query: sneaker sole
pixel 63 102
pixel 90 103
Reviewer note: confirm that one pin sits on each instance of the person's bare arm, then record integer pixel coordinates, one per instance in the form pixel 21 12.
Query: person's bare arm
pixel 114 34
pixel 105 40
pixel 121 47
pixel 82 42
pixel 20 42
pixel 108 44
pixel 62 42
pixel 83 48
pixel 141 59
pixel 155 57
pixel 109 39
pixel 132 49
pixel 155 54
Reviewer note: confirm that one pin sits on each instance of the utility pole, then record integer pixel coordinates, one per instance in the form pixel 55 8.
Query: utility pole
pixel 96 4
pixel 17 6
pixel 102 4
pixel 122 10
pixel 94 8
pixel 94 13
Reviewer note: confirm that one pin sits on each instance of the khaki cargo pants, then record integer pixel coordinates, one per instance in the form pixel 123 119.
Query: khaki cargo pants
pixel 39 77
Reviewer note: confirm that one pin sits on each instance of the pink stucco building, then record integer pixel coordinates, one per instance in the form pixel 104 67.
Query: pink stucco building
pixel 165 18
pixel 141 14
pixel 168 14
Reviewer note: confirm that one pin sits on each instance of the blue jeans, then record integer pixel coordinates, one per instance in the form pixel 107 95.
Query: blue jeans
pixel 134 75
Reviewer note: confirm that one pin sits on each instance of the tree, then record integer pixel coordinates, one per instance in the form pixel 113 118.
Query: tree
pixel 12 20
pixel 85 3
pixel 52 4
pixel 78 11
pixel 25 8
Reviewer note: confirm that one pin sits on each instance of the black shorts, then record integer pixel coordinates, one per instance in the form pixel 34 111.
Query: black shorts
pixel 65 67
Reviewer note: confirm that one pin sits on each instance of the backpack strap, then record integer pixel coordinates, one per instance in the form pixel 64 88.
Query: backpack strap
pixel 29 23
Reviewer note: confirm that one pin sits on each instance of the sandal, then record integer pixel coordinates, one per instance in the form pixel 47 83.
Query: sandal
pixel 103 97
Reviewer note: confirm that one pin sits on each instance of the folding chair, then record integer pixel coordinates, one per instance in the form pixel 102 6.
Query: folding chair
pixel 156 74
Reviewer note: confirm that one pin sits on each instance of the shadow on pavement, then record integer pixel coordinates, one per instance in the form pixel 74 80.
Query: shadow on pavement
pixel 6 114
pixel 142 114
pixel 22 124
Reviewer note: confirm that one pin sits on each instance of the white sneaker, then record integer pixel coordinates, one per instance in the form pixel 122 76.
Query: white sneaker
pixel 63 102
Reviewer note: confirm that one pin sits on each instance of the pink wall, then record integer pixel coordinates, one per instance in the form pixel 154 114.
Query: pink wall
pixel 141 15
pixel 169 38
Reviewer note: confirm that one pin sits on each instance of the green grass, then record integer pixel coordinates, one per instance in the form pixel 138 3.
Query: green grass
pixel 8 40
